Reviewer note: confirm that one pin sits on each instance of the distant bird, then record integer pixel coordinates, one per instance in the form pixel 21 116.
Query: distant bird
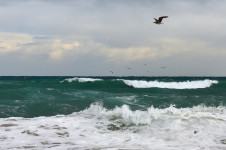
pixel 145 64
pixel 159 21
pixel 163 67
pixel 128 68
pixel 111 72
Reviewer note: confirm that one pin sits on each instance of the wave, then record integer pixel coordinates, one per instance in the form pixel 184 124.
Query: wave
pixel 170 85
pixel 138 117
pixel 82 79
pixel 120 128
pixel 196 84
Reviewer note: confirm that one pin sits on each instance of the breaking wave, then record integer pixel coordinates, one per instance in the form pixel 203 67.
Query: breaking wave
pixel 96 127
pixel 82 79
pixel 138 117
pixel 170 85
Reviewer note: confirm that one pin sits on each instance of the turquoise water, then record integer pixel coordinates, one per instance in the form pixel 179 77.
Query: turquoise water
pixel 110 113
pixel 49 96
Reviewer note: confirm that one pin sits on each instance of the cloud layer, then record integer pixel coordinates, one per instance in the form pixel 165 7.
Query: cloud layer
pixel 93 36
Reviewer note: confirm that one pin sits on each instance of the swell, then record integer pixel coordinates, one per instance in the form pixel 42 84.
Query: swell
pixel 188 84
pixel 49 96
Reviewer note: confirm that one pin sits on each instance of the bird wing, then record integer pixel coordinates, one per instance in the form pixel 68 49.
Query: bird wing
pixel 160 18
pixel 155 19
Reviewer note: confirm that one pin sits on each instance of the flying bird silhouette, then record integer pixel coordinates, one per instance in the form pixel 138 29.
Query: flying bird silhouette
pixel 159 21
pixel 128 68
pixel 111 72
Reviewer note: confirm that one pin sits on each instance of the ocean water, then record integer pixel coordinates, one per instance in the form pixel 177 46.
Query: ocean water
pixel 111 113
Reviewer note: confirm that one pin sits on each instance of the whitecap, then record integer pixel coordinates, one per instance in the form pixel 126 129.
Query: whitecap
pixel 171 85
pixel 82 79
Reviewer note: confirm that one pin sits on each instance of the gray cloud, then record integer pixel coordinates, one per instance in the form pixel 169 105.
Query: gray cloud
pixel 194 31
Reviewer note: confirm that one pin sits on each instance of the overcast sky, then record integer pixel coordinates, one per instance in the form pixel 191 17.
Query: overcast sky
pixel 92 37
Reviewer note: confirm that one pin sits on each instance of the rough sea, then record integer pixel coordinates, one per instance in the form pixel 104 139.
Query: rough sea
pixel 111 113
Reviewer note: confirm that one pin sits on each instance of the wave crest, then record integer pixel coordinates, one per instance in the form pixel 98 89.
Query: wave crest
pixel 124 115
pixel 170 85
pixel 82 79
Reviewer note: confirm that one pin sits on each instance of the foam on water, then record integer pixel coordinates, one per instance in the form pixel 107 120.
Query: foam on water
pixel 170 85
pixel 96 127
pixel 82 79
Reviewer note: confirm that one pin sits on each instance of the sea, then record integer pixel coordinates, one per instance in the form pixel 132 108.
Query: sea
pixel 112 113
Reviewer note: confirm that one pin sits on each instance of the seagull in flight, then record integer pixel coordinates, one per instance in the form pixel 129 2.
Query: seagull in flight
pixel 159 21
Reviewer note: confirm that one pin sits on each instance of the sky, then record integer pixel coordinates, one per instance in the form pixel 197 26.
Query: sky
pixel 94 37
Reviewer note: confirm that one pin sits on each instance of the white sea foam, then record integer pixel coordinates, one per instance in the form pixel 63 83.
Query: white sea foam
pixel 171 128
pixel 49 89
pixel 82 79
pixel 170 85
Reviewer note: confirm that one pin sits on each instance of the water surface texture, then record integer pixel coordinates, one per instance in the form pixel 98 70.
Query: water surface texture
pixel 113 113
